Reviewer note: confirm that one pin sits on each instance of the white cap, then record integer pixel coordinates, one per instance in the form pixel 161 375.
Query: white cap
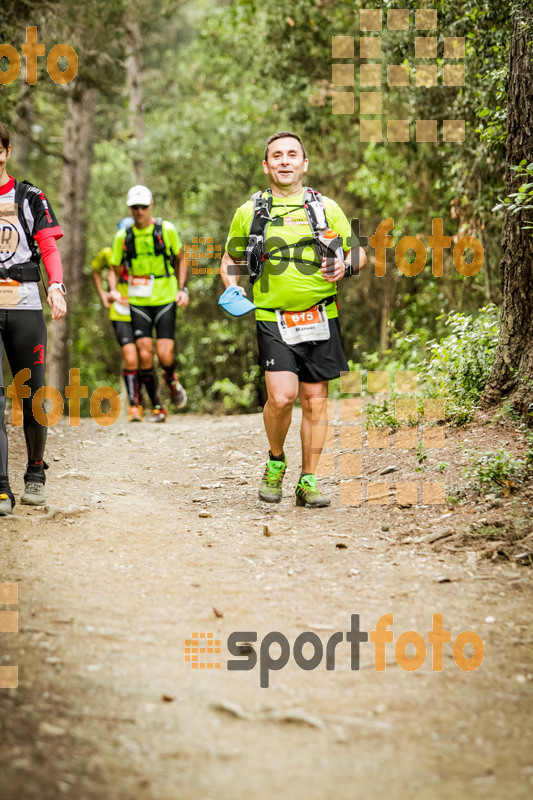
pixel 139 196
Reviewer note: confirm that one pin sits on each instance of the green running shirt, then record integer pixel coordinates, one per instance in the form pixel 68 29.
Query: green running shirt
pixel 147 263
pixel 286 284
pixel 100 263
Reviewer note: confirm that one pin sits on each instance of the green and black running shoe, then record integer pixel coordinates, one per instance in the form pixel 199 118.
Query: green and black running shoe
pixel 270 489
pixel 308 495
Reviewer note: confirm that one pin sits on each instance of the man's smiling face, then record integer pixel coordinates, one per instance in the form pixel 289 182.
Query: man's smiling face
pixel 285 165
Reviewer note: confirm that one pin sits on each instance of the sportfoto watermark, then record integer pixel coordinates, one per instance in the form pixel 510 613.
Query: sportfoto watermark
pixel 380 242
pixel 9 623
pixel 31 51
pixel 239 643
pixel 344 435
pixel 447 66
pixel 18 390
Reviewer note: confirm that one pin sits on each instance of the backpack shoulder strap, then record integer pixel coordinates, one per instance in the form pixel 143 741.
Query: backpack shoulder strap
pixel 315 211
pixel 316 216
pixel 255 251
pixel 160 247
pixel 129 247
pixel 261 212
pixel 22 190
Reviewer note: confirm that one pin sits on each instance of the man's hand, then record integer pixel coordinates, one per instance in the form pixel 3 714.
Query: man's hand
pixel 230 271
pixel 182 298
pixel 332 272
pixel 113 296
pixel 57 303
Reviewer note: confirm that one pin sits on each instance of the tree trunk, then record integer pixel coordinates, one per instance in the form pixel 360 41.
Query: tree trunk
pixel 23 115
pixel 512 373
pixel 135 92
pixel 75 178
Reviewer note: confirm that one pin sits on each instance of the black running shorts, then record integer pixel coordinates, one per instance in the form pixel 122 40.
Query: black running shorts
pixel 312 362
pixel 123 332
pixel 163 318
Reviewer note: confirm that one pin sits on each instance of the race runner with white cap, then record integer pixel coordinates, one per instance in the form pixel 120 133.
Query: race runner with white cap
pixel 157 283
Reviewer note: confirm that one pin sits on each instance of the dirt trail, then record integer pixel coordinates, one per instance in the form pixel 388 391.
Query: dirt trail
pixel 109 595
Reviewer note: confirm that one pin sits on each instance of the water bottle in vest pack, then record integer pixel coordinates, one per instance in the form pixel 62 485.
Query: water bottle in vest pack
pixel 331 248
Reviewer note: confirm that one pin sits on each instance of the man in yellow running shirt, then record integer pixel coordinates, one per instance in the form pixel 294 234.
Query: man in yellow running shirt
pixel 157 284
pixel 297 317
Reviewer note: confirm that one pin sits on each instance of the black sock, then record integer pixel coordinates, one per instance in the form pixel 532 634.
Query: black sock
pixel 169 372
pixel 149 381
pixel 276 458
pixel 130 379
pixel 35 471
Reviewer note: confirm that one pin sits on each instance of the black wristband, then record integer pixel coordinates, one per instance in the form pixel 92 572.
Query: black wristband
pixel 350 270
pixel 183 289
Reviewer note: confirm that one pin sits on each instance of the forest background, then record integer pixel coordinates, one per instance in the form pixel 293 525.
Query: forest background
pixel 182 96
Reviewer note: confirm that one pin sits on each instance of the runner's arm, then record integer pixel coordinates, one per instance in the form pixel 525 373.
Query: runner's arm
pixel 181 272
pixel 115 262
pixel 100 289
pixel 354 256
pixel 113 295
pixel 54 268
pixel 230 272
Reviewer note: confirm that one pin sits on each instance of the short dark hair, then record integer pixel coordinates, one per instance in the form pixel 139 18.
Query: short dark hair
pixel 4 136
pixel 282 135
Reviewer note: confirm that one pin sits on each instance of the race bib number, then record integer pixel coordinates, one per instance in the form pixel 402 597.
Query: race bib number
pixel 310 325
pixel 140 285
pixel 9 293
pixel 122 308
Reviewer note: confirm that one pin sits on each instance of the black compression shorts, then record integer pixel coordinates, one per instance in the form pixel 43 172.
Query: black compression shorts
pixel 163 318
pixel 312 362
pixel 123 332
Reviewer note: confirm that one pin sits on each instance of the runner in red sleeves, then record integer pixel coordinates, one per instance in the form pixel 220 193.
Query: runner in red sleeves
pixel 28 225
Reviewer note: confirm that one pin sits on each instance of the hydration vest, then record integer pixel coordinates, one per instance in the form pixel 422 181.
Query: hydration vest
pixel 29 271
pixel 160 248
pixel 255 250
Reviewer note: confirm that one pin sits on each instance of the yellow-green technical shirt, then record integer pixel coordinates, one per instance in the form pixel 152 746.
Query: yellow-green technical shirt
pixel 147 263
pixel 290 287
pixel 103 262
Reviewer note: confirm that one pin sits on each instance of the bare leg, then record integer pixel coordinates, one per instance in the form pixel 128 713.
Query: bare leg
pixel 165 352
pixel 146 352
pixel 313 399
pixel 282 389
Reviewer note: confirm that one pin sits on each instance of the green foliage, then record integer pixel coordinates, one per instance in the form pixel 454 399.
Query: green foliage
pixel 218 78
pixel 460 363
pixel 381 415
pixel 522 200
pixel 457 368
pixel 421 453
pixel 498 469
